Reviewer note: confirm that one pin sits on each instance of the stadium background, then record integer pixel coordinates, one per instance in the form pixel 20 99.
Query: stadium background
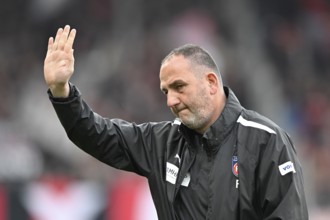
pixel 273 53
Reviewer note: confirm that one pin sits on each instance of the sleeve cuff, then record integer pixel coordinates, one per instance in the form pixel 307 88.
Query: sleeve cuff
pixel 73 94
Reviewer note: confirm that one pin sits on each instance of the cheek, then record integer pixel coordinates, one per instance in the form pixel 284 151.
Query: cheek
pixel 196 101
pixel 204 100
pixel 204 93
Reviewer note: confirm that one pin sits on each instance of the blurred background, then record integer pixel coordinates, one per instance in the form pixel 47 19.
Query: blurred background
pixel 274 54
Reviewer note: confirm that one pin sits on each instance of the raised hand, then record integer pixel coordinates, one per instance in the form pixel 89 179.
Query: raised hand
pixel 59 61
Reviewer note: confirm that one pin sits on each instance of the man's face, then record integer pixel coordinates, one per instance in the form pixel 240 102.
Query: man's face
pixel 188 95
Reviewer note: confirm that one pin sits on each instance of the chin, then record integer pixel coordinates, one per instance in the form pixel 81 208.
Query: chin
pixel 189 124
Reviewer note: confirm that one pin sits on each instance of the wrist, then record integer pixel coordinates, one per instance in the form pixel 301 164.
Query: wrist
pixel 60 91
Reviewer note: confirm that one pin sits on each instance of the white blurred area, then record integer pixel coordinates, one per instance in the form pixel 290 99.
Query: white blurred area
pixel 274 54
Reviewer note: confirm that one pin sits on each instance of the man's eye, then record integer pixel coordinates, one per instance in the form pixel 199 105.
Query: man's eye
pixel 179 87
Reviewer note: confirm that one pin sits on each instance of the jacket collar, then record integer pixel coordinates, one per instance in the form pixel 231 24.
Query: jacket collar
pixel 221 127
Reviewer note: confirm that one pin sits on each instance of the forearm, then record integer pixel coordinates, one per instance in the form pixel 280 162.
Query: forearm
pixel 100 137
pixel 67 108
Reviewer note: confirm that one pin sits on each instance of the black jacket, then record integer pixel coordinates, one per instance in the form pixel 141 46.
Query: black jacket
pixel 193 176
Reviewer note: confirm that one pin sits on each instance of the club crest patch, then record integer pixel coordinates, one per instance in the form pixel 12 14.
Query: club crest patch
pixel 234 166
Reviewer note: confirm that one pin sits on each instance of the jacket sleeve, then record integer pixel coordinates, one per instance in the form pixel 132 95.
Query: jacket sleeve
pixel 118 143
pixel 279 181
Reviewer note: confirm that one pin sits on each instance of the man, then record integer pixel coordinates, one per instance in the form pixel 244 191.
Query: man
pixel 216 161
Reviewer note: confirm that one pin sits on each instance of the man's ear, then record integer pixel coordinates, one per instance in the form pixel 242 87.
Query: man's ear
pixel 213 81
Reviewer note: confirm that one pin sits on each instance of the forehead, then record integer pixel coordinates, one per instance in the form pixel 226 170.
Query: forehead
pixel 176 61
pixel 175 67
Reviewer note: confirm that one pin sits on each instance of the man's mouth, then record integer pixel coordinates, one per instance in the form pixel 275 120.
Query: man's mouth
pixel 177 111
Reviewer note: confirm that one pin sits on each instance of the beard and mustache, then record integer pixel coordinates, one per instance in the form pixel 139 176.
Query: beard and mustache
pixel 195 114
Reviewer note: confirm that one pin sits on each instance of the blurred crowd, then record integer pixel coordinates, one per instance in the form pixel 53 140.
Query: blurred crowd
pixel 274 54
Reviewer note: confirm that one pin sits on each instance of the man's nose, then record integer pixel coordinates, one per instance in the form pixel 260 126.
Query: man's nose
pixel 172 99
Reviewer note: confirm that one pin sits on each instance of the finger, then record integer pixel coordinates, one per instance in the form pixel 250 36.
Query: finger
pixel 64 37
pixel 50 45
pixel 70 41
pixel 57 38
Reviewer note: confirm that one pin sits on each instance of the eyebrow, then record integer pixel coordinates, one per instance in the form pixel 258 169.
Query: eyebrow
pixel 174 84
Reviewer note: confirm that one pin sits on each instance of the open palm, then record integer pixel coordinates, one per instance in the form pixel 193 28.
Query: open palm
pixel 59 61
